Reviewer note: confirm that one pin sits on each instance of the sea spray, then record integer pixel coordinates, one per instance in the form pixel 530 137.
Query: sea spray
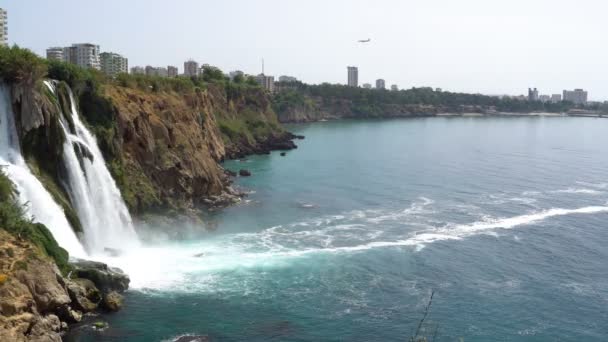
pixel 38 203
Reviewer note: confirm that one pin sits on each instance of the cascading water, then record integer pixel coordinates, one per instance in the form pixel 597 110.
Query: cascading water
pixel 104 216
pixel 39 204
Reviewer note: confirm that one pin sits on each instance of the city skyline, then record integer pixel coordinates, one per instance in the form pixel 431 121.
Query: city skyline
pixel 400 52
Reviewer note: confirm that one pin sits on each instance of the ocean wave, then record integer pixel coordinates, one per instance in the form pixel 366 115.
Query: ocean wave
pixel 578 191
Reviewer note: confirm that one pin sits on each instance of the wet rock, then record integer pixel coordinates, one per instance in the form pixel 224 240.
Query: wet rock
pixel 106 279
pixel 283 154
pixel 69 315
pixel 230 173
pixel 85 296
pixel 112 301
pixel 244 173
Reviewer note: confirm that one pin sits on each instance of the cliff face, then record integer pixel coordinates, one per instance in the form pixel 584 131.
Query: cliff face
pixel 169 146
pixel 164 148
pixel 37 302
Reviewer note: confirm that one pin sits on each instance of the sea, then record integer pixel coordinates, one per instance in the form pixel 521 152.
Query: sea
pixel 445 228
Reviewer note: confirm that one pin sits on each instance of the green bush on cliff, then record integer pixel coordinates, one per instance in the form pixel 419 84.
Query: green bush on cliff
pixel 13 219
pixel 17 64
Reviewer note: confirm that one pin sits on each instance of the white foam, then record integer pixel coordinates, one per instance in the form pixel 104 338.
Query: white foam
pixel 171 267
pixel 578 191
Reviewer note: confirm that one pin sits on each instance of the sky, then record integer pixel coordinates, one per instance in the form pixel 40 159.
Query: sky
pixel 477 46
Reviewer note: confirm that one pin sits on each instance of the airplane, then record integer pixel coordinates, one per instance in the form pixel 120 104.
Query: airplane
pixel 364 40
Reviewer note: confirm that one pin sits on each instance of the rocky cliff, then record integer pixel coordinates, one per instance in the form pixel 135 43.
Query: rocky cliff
pixel 37 302
pixel 165 148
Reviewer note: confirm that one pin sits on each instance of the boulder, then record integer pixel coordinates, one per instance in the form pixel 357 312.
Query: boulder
pixel 112 301
pixel 283 154
pixel 106 279
pixel 244 173
pixel 69 315
pixel 85 296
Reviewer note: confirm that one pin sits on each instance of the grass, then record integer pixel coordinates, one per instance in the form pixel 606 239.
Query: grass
pixel 14 220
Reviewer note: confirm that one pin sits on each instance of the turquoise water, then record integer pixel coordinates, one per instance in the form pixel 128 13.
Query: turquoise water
pixel 345 238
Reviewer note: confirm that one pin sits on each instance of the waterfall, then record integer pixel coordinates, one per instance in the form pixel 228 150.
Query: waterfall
pixel 104 216
pixel 38 203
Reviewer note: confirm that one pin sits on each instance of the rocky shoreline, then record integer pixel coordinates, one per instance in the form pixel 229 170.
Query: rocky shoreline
pixel 39 303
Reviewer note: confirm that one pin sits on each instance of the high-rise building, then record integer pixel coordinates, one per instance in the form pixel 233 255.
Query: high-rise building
pixel 380 84
pixel 577 96
pixel 191 68
pixel 544 98
pixel 287 79
pixel 162 72
pixel 113 64
pixel 150 70
pixel 56 54
pixel 555 98
pixel 394 87
pixel 353 76
pixel 3 27
pixel 267 82
pixel 137 70
pixel 367 86
pixel 532 94
pixel 172 71
pixel 85 55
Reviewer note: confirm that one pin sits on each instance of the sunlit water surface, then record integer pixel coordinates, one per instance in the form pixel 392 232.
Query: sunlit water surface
pixel 346 237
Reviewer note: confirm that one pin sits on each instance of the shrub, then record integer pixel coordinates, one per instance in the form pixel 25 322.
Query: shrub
pixel 17 64
pixel 13 220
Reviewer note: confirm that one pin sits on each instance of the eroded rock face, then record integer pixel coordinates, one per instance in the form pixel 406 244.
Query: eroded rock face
pixel 106 279
pixel 112 301
pixel 85 296
pixel 36 301
pixel 30 294
pixel 172 142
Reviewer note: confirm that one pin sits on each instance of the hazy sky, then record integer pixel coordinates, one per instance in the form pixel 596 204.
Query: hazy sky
pixel 486 46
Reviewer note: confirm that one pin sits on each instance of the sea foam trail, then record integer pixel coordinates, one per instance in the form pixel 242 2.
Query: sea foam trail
pixel 186 267
pixel 39 204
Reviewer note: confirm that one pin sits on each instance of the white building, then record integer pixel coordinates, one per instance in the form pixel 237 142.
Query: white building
pixel 267 82
pixel 367 86
pixel 380 84
pixel 85 55
pixel 555 98
pixel 353 76
pixel 113 64
pixel 394 87
pixel 3 27
pixel 544 98
pixel 577 96
pixel 137 70
pixel 191 68
pixel 56 54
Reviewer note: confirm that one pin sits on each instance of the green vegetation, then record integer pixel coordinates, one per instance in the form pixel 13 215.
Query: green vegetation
pixel 17 65
pixel 373 102
pixel 13 220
